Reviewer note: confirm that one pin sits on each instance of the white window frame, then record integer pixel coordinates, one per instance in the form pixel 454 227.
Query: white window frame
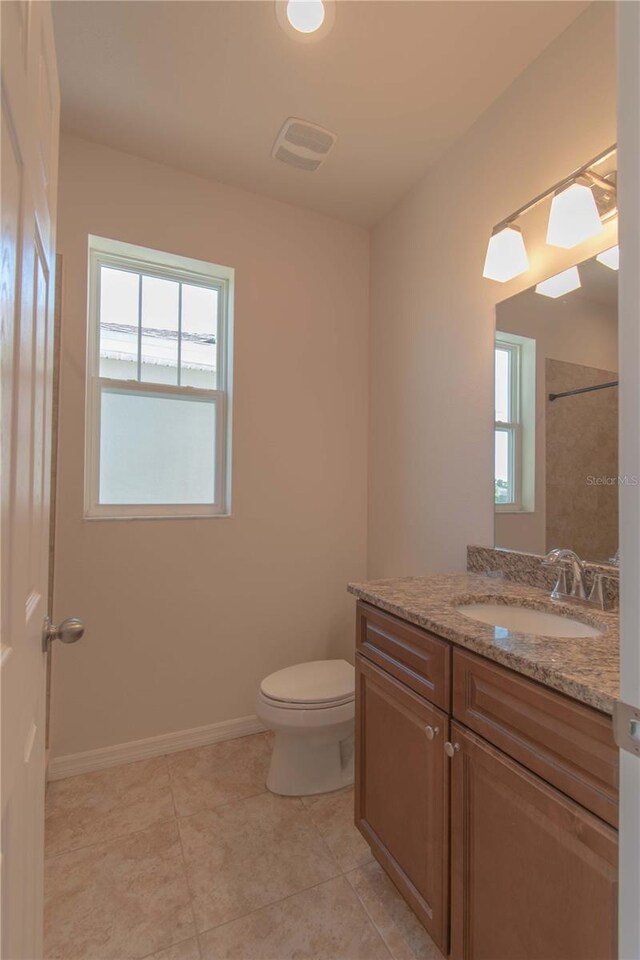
pixel 522 426
pixel 512 427
pixel 125 256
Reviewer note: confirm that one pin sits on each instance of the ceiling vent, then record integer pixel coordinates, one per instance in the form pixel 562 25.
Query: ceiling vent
pixel 302 144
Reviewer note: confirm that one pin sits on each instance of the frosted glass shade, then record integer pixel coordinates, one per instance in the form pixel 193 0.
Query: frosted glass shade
pixel 562 283
pixel 306 16
pixel 506 255
pixel 573 217
pixel 610 258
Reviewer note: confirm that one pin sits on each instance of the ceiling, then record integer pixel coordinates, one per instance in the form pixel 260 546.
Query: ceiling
pixel 205 86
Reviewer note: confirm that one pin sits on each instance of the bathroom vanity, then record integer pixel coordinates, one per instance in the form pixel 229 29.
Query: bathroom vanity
pixel 486 769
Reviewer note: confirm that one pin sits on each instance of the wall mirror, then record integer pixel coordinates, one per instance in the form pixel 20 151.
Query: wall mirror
pixel 556 414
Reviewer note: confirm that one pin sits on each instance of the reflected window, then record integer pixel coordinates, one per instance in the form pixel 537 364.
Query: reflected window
pixel 514 426
pixel 507 376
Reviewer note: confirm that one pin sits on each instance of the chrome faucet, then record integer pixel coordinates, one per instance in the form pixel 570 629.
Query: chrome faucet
pixel 567 562
pixel 564 561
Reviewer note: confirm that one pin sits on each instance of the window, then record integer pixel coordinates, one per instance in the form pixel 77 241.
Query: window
pixel 158 384
pixel 514 427
pixel 507 360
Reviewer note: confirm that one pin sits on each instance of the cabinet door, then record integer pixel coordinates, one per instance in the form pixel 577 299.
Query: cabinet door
pixel 402 800
pixel 533 873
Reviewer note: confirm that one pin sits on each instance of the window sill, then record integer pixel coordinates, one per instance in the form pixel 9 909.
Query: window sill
pixel 157 516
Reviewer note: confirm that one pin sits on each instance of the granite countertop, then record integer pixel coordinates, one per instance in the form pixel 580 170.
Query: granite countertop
pixel 585 668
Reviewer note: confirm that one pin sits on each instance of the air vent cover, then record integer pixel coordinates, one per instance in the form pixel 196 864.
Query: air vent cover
pixel 302 144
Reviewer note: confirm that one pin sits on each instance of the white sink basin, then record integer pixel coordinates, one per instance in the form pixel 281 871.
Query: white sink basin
pixel 525 620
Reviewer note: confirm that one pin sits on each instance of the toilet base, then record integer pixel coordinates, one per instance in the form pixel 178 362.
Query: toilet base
pixel 304 765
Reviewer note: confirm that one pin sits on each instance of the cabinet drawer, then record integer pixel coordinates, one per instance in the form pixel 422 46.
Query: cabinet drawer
pixel 566 743
pixel 411 655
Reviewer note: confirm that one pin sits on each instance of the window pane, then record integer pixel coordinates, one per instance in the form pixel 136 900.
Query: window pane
pixel 503 385
pixel 159 330
pixel 199 337
pixel 503 460
pixel 156 449
pixel 118 324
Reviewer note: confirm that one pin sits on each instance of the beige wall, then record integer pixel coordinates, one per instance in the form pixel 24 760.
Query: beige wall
pixel 432 323
pixel 184 617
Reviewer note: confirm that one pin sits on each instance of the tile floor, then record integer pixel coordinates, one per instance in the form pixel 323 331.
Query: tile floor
pixel 188 857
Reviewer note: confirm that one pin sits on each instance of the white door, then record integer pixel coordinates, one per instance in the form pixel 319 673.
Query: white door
pixel 629 327
pixel 30 119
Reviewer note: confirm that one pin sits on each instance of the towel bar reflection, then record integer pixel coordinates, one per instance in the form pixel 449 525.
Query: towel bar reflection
pixel 572 393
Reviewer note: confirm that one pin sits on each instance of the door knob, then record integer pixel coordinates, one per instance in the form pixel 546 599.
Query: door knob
pixel 431 732
pixel 451 748
pixel 68 631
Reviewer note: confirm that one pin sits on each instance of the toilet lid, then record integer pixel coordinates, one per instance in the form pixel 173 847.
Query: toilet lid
pixel 321 681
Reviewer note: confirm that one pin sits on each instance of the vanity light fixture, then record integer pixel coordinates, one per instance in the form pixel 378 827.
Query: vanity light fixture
pixel 610 258
pixel 580 204
pixel 562 283
pixel 506 255
pixel 574 217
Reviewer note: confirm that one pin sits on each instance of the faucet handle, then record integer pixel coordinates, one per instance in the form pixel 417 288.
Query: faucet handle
pixel 561 588
pixel 597 590
pixel 577 588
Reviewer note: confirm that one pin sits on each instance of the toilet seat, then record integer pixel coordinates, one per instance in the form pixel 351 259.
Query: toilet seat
pixel 318 685
pixel 316 707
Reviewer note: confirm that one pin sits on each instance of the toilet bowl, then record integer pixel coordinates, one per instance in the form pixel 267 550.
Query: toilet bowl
pixel 311 709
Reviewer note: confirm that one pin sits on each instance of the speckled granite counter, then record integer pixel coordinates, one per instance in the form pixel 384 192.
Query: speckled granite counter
pixel 586 669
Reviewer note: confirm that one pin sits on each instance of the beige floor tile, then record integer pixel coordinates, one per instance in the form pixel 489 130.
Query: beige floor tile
pixel 106 804
pixel 187 950
pixel 324 923
pixel 119 900
pixel 399 927
pixel 219 773
pixel 248 854
pixel 332 814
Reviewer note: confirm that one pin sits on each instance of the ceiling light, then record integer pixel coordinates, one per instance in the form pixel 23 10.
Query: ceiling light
pixel 574 217
pixel 562 283
pixel 506 255
pixel 610 258
pixel 305 16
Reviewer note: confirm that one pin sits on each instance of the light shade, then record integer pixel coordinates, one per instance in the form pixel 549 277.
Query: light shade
pixel 562 283
pixel 506 255
pixel 610 257
pixel 306 16
pixel 573 218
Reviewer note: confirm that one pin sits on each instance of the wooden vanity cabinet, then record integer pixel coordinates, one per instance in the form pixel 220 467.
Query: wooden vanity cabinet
pixel 402 799
pixel 506 849
pixel 533 874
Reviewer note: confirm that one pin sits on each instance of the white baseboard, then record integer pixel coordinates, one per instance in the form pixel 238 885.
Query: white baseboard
pixel 75 763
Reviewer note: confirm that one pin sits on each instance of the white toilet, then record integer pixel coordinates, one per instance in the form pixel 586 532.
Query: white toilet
pixel 311 709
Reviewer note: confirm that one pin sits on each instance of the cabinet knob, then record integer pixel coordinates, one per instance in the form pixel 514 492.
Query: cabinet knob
pixel 431 732
pixel 451 748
